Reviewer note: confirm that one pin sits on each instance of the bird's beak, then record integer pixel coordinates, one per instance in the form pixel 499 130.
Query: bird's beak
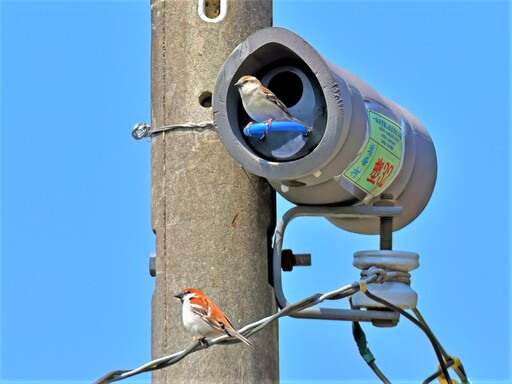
pixel 238 84
pixel 179 296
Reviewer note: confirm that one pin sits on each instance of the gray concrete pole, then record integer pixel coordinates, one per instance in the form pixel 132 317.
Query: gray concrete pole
pixel 212 220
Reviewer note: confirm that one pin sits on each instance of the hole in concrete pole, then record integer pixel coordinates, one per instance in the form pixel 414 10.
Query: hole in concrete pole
pixel 205 99
pixel 212 8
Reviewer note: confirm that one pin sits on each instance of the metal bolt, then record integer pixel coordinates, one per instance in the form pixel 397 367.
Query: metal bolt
pixel 383 323
pixel 290 260
pixel 386 222
pixel 152 264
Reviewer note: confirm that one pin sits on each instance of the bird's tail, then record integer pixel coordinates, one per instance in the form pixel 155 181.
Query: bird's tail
pixel 309 128
pixel 232 332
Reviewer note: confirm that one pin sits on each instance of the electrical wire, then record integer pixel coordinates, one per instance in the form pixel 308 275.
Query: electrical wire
pixel 457 368
pixel 364 350
pixel 250 329
pixel 436 374
pixel 379 373
pixel 419 324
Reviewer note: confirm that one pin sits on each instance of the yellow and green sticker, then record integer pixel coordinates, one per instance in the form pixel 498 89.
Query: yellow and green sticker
pixel 375 168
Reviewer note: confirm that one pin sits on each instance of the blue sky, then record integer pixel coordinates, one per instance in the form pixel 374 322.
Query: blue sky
pixel 75 189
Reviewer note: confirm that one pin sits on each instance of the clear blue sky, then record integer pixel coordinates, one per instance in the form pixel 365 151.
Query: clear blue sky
pixel 75 189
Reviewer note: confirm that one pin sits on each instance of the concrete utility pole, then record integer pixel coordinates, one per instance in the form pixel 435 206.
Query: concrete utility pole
pixel 212 220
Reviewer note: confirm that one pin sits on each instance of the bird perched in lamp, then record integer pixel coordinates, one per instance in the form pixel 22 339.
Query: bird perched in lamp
pixel 203 318
pixel 261 104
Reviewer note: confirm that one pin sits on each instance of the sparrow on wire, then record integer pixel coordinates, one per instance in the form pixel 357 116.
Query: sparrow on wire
pixel 203 318
pixel 261 104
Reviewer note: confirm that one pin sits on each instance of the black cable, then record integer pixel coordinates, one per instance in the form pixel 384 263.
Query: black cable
pixel 427 332
pixel 436 374
pixel 459 369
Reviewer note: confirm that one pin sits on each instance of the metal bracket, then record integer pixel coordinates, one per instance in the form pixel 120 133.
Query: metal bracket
pixel 378 317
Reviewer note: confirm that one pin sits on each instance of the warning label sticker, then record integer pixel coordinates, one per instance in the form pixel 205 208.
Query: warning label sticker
pixel 375 168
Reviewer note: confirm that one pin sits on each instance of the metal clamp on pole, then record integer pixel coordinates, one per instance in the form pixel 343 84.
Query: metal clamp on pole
pixel 378 317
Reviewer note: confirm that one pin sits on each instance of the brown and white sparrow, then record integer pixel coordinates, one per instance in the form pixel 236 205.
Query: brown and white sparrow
pixel 203 318
pixel 261 104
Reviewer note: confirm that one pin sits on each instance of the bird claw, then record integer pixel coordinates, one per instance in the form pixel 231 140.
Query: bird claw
pixel 204 343
pixel 247 131
pixel 268 124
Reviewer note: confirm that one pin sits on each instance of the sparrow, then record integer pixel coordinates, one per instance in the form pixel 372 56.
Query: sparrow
pixel 203 318
pixel 261 104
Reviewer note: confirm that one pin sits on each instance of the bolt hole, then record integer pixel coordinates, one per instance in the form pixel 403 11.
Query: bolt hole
pixel 205 99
